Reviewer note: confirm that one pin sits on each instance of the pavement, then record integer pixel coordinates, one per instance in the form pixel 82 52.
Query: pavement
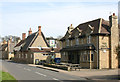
pixel 91 74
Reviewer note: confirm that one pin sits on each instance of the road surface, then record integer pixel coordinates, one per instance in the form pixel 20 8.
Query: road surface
pixel 26 72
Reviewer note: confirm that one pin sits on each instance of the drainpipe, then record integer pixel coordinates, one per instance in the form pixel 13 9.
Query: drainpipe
pixel 98 52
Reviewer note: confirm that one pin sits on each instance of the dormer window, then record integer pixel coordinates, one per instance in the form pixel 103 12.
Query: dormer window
pixel 80 34
pixel 92 28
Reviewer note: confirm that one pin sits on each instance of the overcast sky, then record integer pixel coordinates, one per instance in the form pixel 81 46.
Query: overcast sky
pixel 17 16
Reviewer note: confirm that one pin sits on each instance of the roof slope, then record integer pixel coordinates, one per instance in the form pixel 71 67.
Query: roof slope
pixel 29 41
pixel 3 47
pixel 100 26
pixel 20 43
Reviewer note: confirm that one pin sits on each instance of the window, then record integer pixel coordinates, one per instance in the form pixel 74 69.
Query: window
pixel 67 42
pixel 84 52
pixel 92 56
pixel 22 56
pixel 81 56
pixel 31 55
pixel 89 39
pixel 19 55
pixel 77 41
pixel 26 55
pixel 71 42
pixel 88 56
pixel 82 40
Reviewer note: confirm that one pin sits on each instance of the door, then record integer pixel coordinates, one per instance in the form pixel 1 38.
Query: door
pixel 36 61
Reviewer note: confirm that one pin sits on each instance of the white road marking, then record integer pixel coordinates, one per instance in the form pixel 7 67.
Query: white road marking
pixel 55 79
pixel 27 69
pixel 40 74
pixel 18 65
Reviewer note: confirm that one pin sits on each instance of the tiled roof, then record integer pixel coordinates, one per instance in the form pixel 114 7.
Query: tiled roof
pixel 3 46
pixel 84 27
pixel 20 43
pixel 30 40
pixel 11 47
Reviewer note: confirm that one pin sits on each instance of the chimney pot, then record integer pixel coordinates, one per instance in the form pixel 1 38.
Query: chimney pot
pixel 113 14
pixel 39 30
pixel 71 24
pixel 23 36
pixel 30 32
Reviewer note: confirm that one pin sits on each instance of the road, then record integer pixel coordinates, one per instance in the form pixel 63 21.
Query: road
pixel 26 72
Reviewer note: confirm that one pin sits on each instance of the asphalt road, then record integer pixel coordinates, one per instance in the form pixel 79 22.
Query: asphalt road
pixel 26 72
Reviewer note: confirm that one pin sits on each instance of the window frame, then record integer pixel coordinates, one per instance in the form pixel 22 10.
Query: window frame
pixel 92 56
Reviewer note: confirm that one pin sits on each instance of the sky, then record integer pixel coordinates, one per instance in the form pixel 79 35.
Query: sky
pixel 54 16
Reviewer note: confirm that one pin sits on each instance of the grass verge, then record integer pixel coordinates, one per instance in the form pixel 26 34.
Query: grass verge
pixel 6 77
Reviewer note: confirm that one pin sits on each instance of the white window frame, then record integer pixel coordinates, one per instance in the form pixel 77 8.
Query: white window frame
pixel 22 55
pixel 31 55
pixel 25 55
pixel 77 41
pixel 19 55
pixel 91 55
pixel 71 42
pixel 67 41
pixel 89 39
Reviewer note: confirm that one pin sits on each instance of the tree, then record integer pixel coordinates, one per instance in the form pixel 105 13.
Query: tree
pixel 59 43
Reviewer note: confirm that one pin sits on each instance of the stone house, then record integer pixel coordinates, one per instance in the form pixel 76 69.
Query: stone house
pixel 34 48
pixel 7 49
pixel 92 44
pixel 52 42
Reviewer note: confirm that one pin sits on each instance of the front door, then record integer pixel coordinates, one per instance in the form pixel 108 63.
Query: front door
pixel 70 57
pixel 36 61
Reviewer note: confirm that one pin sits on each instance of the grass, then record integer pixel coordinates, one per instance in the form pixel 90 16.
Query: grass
pixel 6 77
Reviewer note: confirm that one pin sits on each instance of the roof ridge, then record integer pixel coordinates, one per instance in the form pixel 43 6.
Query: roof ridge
pixel 33 39
pixel 88 22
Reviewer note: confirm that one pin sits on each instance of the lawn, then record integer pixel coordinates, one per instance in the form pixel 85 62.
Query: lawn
pixel 6 77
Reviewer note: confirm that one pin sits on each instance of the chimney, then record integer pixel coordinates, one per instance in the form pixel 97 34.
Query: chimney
pixel 70 28
pixel 4 42
pixel 112 19
pixel 23 36
pixel 113 14
pixel 39 30
pixel 29 32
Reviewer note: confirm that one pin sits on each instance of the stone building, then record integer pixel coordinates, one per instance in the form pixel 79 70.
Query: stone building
pixel 34 48
pixel 7 49
pixel 52 42
pixel 92 44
